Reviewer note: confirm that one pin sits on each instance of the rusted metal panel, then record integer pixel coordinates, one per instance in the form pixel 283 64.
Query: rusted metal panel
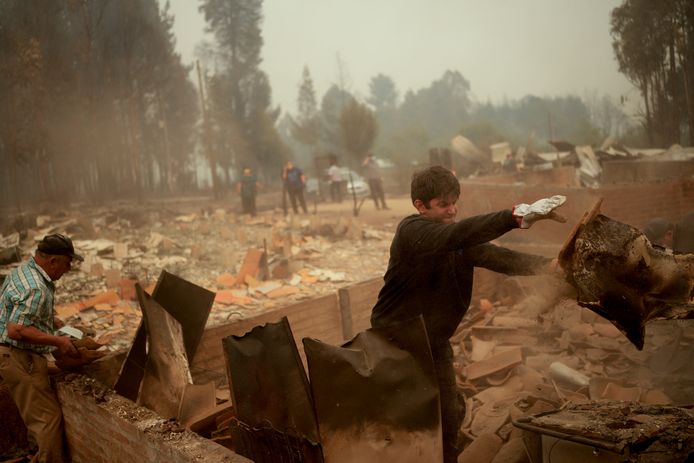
pixel 166 373
pixel 189 303
pixel 271 393
pixel 376 397
pixel 186 302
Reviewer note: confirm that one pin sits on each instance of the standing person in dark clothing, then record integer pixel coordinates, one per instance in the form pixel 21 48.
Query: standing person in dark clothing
pixel 248 189
pixel 295 181
pixel 372 174
pixel 430 271
pixel 684 235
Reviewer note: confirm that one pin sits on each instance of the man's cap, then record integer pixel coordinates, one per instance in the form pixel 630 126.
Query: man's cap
pixel 58 245
pixel 656 229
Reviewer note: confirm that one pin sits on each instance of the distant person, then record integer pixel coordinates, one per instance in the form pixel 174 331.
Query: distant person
pixel 372 173
pixel 684 235
pixel 335 177
pixel 27 334
pixel 509 165
pixel 660 232
pixel 248 189
pixel 295 182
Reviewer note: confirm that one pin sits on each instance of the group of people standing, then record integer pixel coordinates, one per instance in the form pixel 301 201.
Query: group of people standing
pixel 293 181
pixel 294 185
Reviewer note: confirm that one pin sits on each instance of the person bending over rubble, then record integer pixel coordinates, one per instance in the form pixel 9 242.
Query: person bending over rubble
pixel 430 271
pixel 661 232
pixel 27 322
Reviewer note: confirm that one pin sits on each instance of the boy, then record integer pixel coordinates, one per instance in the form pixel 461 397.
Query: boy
pixel 432 258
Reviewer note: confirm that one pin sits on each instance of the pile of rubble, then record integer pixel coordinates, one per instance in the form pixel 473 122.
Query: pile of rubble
pixel 527 357
pixel 253 264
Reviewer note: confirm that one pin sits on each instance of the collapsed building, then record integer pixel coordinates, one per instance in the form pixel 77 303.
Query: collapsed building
pixel 532 364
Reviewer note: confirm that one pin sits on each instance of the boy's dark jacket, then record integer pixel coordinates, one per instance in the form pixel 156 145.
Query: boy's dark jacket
pixel 431 267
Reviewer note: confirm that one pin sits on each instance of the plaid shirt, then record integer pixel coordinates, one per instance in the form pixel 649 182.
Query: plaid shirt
pixel 26 298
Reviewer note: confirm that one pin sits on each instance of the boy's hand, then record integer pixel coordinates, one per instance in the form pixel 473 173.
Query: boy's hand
pixel 528 214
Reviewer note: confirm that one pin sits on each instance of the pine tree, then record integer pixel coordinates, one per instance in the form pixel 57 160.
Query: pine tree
pixel 306 126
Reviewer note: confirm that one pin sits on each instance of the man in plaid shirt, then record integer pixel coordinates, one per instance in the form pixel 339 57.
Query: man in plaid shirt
pixel 27 323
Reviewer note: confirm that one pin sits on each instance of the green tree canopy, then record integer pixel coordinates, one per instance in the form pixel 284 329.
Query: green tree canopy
pixel 306 127
pixel 654 46
pixel 358 129
pixel 383 93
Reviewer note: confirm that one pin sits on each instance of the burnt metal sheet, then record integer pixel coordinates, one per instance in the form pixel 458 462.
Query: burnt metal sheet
pixel 622 277
pixel 189 304
pixel 377 397
pixel 133 368
pixel 269 386
pixel 196 399
pixel 267 445
pixel 166 373
pixel 638 432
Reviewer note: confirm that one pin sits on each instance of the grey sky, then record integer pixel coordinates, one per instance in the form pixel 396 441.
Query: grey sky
pixel 505 48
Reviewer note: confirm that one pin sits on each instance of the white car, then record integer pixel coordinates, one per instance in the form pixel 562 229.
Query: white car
pixel 357 186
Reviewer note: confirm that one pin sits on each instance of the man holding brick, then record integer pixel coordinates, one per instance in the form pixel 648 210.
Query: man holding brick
pixel 430 272
pixel 27 323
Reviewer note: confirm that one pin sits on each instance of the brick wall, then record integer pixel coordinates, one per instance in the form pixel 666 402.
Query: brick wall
pixel 644 170
pixel 633 204
pixel 115 430
pixel 561 176
pixel 317 318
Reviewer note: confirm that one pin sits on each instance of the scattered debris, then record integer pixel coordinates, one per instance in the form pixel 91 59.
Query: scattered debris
pixel 622 277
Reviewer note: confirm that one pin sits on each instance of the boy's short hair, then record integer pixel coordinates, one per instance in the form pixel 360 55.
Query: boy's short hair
pixel 433 182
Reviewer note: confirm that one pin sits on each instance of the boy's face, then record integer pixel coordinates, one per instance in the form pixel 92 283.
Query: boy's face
pixel 441 210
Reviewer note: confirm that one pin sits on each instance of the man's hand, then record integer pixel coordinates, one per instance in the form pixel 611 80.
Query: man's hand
pixel 528 214
pixel 65 347
pixel 57 323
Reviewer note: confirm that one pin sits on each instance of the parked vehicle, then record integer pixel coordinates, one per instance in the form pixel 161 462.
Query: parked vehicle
pixel 313 189
pixel 357 186
pixel 319 189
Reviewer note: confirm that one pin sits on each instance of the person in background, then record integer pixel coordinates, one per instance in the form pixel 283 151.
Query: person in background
pixel 295 181
pixel 335 177
pixel 430 273
pixel 684 235
pixel 247 187
pixel 509 165
pixel 372 174
pixel 27 334
pixel 660 232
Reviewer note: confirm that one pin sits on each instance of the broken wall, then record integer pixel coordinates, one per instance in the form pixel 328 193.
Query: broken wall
pixel 102 426
pixel 633 204
pixel 332 319
pixel 317 318
pixel 560 176
pixel 645 171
